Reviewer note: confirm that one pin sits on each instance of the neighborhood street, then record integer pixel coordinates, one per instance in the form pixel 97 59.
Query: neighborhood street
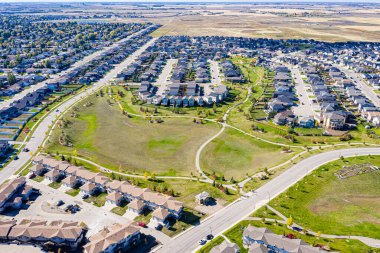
pixel 361 85
pixel 305 108
pixel 237 211
pixel 40 132
pixel 77 64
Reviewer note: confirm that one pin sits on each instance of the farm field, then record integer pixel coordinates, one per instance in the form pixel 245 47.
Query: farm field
pixel 103 135
pixel 322 202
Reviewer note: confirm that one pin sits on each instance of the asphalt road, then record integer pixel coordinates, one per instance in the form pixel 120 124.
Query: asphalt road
pixel 77 64
pixel 232 214
pixel 40 132
pixel 305 108
pixel 361 85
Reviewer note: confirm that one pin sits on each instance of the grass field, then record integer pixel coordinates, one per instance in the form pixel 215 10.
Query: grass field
pixel 336 245
pixel 102 134
pixel 235 155
pixel 322 202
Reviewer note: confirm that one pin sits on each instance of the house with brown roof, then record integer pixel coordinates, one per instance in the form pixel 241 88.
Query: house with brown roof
pixel 115 198
pixel 115 238
pixel 160 215
pixel 273 242
pixel 225 247
pixel 58 233
pixel 53 175
pixel 38 169
pixel 5 227
pixel 9 190
pixel 136 206
pixel 119 191
pixel 89 188
pixel 70 181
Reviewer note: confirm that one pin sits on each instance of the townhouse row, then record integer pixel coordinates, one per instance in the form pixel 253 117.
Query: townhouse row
pixel 119 192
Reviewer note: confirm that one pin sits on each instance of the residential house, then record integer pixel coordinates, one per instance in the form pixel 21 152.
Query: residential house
pixel 226 247
pixel 115 238
pixel 203 198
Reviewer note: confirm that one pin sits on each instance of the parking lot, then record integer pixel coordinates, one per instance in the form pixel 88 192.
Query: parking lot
pixel 96 218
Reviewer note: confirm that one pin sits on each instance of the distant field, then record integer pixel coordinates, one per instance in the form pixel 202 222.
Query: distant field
pixel 233 154
pixel 329 23
pixel 322 202
pixel 103 135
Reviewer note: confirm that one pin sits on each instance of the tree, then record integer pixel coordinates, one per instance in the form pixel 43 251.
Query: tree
pixel 11 78
pixel 214 108
pixel 289 221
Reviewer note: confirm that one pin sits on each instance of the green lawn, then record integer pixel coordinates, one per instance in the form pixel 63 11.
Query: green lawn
pixel 98 200
pixel 144 217
pixel 103 135
pixel 322 202
pixel 120 210
pixel 38 179
pixel 234 155
pixel 215 242
pixel 189 218
pixel 340 245
pixel 73 192
pixel 55 185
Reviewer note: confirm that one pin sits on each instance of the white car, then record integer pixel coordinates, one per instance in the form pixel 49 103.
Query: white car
pixel 202 242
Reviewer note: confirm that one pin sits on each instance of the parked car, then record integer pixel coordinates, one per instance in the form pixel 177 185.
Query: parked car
pixel 202 242
pixel 16 157
pixel 297 229
pixel 25 150
pixel 60 203
pixel 209 237
pixel 85 196
pixel 68 208
pixel 141 224
pixel 32 176
pixel 158 227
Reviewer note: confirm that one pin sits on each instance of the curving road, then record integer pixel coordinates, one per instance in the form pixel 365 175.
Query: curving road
pixel 38 136
pixel 239 210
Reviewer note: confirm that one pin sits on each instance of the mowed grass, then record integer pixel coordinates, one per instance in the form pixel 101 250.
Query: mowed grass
pixel 102 134
pixel 234 154
pixel 235 235
pixel 322 202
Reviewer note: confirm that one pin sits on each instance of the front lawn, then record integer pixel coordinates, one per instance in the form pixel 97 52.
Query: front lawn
pixel 55 185
pixel 73 192
pixel 98 200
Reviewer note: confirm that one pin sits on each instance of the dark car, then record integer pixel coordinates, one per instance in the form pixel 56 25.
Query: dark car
pixel 16 157
pixel 32 176
pixel 85 196
pixel 297 229
pixel 60 203
pixel 159 227
pixel 209 237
